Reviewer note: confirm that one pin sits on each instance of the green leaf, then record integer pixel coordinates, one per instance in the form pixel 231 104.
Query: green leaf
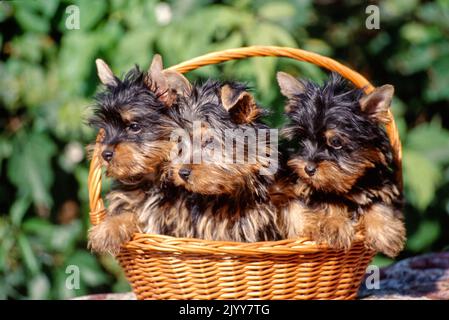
pixel 435 13
pixel 18 210
pixel 21 46
pixel 417 33
pixel 91 12
pixel 135 48
pixel 427 233
pixel 30 17
pixel 412 60
pixel 5 150
pixel 29 168
pixel 27 254
pixel 394 9
pixel 76 61
pixel 39 226
pixel 438 87
pixel 431 140
pixel 421 177
pixel 277 11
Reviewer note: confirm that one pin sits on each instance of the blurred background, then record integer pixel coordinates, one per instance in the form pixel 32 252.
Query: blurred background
pixel 48 79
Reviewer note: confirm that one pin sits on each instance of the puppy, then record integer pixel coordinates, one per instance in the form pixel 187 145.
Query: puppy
pixel 341 166
pixel 215 185
pixel 130 113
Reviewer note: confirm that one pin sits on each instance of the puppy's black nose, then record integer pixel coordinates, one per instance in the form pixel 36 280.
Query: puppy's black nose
pixel 310 169
pixel 107 155
pixel 184 173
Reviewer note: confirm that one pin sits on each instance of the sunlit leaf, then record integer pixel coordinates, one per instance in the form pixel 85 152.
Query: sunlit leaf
pixel 91 12
pixel 30 18
pixel 417 33
pixel 135 48
pixel 30 168
pixel 431 140
pixel 277 11
pixel 393 9
pixel 421 177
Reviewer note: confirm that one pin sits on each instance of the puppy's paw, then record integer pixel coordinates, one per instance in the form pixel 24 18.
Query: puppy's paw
pixel 112 233
pixel 384 230
pixel 334 228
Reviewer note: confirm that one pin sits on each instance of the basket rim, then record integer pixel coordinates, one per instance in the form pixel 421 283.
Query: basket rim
pixel 142 241
pixel 169 244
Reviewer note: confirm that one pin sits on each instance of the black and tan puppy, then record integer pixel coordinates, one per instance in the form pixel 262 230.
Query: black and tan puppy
pixel 216 182
pixel 342 166
pixel 130 113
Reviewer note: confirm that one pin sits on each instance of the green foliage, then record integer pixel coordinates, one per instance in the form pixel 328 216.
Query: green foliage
pixel 47 80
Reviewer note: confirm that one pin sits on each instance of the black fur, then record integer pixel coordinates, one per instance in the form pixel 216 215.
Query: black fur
pixel 334 105
pixel 129 94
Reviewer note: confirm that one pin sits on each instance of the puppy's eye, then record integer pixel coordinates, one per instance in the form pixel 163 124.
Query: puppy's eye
pixel 134 127
pixel 335 142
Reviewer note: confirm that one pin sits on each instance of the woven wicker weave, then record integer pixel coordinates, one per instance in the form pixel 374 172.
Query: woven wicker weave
pixel 163 267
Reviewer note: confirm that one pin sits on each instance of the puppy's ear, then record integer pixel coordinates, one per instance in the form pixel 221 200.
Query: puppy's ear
pixel 166 84
pixel 377 103
pixel 154 79
pixel 177 82
pixel 240 104
pixel 105 73
pixel 289 85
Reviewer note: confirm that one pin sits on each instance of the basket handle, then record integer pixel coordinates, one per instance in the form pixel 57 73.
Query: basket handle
pixel 97 211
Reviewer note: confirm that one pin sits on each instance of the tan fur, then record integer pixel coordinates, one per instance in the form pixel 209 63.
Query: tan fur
pixel 112 233
pixel 384 229
pixel 387 195
pixel 328 176
pixel 170 219
pixel 127 116
pixel 210 178
pixel 130 161
pixel 326 224
pixel 257 224
pixel 338 178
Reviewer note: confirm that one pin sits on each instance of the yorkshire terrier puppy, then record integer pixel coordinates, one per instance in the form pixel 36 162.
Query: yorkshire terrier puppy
pixel 341 167
pixel 130 113
pixel 215 185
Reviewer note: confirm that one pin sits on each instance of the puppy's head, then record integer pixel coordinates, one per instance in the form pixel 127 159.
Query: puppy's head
pixel 336 131
pixel 218 130
pixel 131 113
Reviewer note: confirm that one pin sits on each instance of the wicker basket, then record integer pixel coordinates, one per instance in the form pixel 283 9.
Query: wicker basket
pixel 163 267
